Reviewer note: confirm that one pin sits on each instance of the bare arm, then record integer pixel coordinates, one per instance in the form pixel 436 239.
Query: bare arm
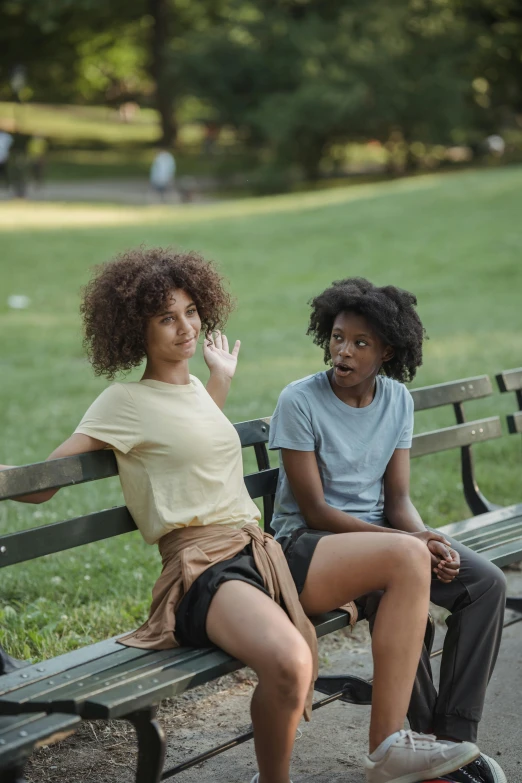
pixel 76 444
pixel 218 387
pixel 305 481
pixel 402 515
pixel 398 507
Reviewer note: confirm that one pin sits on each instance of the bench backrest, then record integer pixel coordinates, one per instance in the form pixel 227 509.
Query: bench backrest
pixel 29 544
pixel 463 434
pixel 511 381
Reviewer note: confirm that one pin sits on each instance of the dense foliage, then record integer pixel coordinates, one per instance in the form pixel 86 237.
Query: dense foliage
pixel 297 76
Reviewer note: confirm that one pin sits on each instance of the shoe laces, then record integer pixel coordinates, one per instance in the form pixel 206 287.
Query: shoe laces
pixel 414 737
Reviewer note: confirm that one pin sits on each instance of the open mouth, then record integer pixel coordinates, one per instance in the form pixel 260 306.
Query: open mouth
pixel 343 369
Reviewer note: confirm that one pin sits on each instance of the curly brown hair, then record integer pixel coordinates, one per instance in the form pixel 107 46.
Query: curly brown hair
pixel 127 291
pixel 390 311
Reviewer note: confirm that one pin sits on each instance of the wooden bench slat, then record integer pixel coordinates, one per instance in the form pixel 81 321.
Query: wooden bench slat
pixel 510 380
pixel 514 421
pixel 505 554
pixel 496 532
pixel 19 734
pixel 262 483
pixel 501 553
pixel 99 678
pixel 483 547
pixel 513 533
pixel 97 526
pixel 94 465
pixel 457 436
pixel 510 535
pixel 457 529
pixel 139 669
pixel 56 666
pixel 10 722
pixel 60 536
pixel 426 397
pixel 105 668
pixel 117 702
pixel 54 473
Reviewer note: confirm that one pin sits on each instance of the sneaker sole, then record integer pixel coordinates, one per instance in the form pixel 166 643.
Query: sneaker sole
pixel 496 770
pixel 437 772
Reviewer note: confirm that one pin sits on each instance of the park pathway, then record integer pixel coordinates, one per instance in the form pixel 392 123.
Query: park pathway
pixel 119 191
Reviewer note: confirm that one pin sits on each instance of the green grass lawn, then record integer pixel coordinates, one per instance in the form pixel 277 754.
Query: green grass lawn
pixel 79 123
pixel 93 142
pixel 455 241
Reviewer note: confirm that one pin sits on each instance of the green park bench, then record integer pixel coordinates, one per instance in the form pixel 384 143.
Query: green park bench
pixel 511 381
pixel 48 700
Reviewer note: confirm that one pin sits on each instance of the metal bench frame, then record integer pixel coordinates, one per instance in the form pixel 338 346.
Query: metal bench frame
pixel 511 381
pixel 52 697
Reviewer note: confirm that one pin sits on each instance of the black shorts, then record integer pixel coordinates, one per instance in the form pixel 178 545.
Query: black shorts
pixel 299 548
pixel 191 617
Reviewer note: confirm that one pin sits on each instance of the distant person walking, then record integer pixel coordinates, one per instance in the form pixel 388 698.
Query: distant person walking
pixel 6 141
pixel 162 172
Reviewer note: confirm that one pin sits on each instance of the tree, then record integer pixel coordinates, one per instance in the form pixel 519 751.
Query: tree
pixel 93 50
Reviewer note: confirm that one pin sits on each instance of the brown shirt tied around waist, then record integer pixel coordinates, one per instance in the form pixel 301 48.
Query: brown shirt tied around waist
pixel 186 553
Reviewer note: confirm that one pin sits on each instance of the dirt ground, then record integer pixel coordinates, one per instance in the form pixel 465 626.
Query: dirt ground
pixel 327 750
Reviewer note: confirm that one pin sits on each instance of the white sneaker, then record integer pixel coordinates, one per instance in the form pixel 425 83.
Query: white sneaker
pixel 414 757
pixel 255 779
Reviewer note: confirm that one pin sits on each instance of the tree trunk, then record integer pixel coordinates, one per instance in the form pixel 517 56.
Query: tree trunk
pixel 164 94
pixel 310 149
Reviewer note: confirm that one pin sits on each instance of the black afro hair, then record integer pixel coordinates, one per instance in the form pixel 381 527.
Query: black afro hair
pixel 389 310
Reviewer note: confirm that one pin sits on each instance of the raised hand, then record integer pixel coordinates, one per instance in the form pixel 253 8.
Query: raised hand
pixel 220 360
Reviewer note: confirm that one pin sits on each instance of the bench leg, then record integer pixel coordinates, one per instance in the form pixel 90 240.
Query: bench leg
pixel 514 603
pixel 151 745
pixel 13 775
pixel 351 689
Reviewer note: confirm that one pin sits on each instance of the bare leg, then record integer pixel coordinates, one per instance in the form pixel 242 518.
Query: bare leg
pixel 349 565
pixel 246 623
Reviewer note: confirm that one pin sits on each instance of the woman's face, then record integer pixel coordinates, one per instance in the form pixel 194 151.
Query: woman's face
pixel 172 334
pixel 357 352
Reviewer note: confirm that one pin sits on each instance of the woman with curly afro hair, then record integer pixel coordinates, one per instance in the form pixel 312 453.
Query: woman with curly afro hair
pixel 349 531
pixel 180 467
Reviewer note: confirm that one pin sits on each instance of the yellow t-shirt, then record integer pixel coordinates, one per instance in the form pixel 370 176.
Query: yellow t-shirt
pixel 179 457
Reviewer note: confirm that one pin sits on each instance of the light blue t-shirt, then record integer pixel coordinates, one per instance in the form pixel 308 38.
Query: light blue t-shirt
pixel 353 445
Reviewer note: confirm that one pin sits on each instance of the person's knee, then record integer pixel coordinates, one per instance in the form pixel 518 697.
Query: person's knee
pixel 413 557
pixel 289 671
pixel 497 582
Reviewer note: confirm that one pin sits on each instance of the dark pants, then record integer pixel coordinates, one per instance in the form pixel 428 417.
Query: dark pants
pixel 476 600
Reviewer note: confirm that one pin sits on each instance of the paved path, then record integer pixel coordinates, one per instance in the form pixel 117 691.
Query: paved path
pixel 123 191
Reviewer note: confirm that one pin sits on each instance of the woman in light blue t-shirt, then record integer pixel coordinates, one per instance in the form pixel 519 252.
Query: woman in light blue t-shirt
pixel 349 530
